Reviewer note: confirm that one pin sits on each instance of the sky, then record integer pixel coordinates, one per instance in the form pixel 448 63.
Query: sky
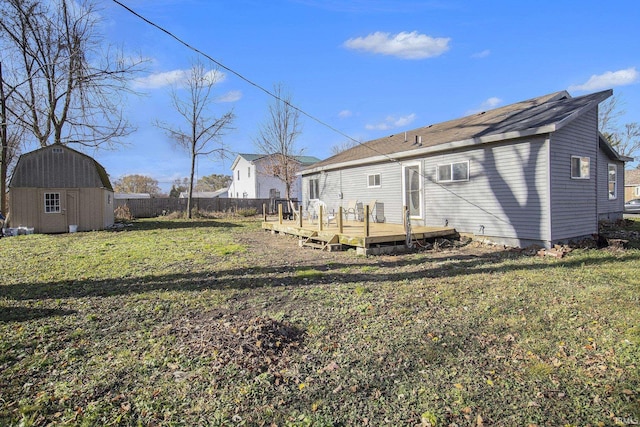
pixel 368 68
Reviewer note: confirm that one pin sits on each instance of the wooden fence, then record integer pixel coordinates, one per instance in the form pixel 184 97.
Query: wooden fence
pixel 149 208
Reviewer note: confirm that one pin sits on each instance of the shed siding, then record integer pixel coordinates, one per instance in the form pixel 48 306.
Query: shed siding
pixel 22 212
pixel 573 201
pixel 52 169
pixel 505 197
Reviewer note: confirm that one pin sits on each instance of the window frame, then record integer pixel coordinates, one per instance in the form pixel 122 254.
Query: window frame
pixel 451 172
pixel 637 190
pixel 52 205
pixel 611 166
pixel 581 167
pixel 314 188
pixel 373 175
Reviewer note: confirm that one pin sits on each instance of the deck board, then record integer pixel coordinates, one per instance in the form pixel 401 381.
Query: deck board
pixel 353 232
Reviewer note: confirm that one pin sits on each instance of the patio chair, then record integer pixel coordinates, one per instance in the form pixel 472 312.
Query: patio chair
pixel 351 209
pixel 327 216
pixel 294 210
pixel 376 211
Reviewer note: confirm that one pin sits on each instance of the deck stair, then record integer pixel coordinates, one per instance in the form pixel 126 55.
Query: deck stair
pixel 322 242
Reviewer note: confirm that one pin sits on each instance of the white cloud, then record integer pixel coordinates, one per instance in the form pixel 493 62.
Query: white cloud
pixel 174 78
pixel 487 104
pixel 231 96
pixel 392 122
pixel 482 54
pixel 403 45
pixel 609 79
pixel 345 114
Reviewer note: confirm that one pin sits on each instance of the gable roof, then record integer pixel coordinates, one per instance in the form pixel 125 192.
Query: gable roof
pixel 31 179
pixel 544 114
pixel 304 160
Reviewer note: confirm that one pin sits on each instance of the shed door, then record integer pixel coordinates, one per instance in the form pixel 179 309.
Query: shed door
pixel 72 208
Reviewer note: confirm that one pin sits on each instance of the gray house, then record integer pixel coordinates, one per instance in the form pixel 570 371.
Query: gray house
pixel 534 172
pixel 57 189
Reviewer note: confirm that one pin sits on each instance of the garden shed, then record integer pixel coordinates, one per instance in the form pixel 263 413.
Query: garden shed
pixel 56 189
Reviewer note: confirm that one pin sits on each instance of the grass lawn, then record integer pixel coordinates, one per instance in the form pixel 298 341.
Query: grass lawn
pixel 216 322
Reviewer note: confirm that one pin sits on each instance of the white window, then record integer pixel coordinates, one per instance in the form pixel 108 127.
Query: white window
pixel 373 180
pixel 613 182
pixel 314 188
pixel 238 174
pixel 580 167
pixel 453 172
pixel 249 172
pixel 52 202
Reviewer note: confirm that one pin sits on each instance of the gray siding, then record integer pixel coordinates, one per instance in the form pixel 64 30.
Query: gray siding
pixel 337 188
pixel 573 201
pixel 609 209
pixel 56 167
pixel 506 197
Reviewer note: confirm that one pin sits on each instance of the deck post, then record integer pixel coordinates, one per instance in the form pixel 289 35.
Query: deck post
pixel 320 213
pixel 280 213
pixel 300 216
pixel 340 228
pixel 366 220
pixel 264 212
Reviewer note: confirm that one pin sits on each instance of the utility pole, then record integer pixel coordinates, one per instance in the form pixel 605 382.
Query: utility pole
pixel 5 147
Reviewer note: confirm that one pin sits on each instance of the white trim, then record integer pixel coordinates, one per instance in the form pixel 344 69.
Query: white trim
pixel 451 172
pixel 405 202
pixel 57 205
pixel 580 168
pixel 378 185
pixel 613 196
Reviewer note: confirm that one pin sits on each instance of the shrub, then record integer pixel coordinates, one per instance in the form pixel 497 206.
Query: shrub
pixel 247 212
pixel 122 213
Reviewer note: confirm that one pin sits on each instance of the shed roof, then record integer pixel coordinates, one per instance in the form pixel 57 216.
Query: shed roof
pixel 33 170
pixel 543 114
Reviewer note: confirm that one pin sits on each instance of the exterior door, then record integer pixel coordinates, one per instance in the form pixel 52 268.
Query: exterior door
pixel 72 208
pixel 412 183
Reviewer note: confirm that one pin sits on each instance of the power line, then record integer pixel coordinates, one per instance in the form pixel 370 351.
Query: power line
pixel 298 109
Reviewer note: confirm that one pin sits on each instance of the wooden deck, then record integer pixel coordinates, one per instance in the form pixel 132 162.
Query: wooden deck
pixel 381 237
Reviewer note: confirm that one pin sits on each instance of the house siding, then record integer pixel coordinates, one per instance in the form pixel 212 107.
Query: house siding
pixel 505 198
pixel 609 209
pixel 337 188
pixel 574 201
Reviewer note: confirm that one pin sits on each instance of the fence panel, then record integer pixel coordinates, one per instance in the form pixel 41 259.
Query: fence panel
pixel 149 208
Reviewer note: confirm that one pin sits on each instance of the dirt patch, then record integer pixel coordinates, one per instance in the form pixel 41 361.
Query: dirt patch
pixel 258 344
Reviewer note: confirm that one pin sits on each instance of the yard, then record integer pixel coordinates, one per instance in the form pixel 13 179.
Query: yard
pixel 216 322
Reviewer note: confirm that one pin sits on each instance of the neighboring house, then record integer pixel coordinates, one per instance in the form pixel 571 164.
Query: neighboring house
pixel 252 178
pixel 219 194
pixel 55 188
pixel 535 172
pixel 631 184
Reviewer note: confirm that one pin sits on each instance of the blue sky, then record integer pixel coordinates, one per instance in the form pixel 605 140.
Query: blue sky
pixel 366 67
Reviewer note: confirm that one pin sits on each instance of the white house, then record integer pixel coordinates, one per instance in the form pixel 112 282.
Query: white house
pixel 252 179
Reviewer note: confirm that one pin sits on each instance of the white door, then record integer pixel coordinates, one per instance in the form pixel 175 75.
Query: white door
pixel 412 193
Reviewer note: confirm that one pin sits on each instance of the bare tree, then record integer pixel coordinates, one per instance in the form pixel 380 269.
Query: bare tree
pixel 343 146
pixel 136 184
pixel 203 130
pixel 277 139
pixel 64 84
pixel 626 138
